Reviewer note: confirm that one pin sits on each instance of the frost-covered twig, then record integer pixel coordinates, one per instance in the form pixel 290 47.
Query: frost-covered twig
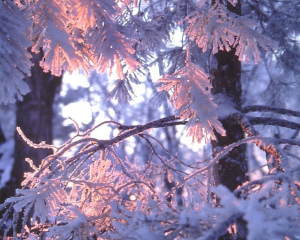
pixel 221 155
pixel 270 148
pixel 35 145
pixel 161 158
pixel 95 190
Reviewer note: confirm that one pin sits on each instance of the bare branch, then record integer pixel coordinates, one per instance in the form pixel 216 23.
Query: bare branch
pixel 164 122
pixel 262 108
pixel 273 121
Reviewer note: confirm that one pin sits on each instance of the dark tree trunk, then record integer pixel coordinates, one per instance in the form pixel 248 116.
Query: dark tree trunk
pixel 34 117
pixel 231 170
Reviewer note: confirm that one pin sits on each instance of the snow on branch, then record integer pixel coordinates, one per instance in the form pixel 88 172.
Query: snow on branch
pixel 191 97
pixel 249 40
pixel 50 33
pixel 34 145
pixel 86 189
pixel 14 57
pixel 220 29
pixel 72 34
pixel 108 46
pixel 84 37
pixel 211 27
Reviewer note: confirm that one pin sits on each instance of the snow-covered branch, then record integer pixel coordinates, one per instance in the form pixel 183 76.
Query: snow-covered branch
pixel 84 188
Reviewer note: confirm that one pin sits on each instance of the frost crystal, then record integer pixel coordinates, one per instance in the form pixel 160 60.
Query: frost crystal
pixel 247 41
pixel 221 29
pixel 192 100
pixel 211 27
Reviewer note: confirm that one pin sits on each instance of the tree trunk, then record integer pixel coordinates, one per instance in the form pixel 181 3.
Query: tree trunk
pixel 34 117
pixel 231 170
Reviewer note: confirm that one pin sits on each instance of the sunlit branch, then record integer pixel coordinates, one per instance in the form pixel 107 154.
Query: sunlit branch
pixel 72 159
pixel 251 131
pixel 35 145
pixel 120 162
pixel 79 165
pixel 98 144
pixel 92 184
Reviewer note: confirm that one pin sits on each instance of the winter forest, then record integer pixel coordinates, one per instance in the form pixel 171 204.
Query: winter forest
pixel 150 119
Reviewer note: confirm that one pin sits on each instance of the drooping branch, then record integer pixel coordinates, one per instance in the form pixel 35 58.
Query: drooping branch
pixel 95 145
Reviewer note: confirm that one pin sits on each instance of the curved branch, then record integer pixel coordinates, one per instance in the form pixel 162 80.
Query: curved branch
pixel 262 108
pixel 273 121
pixel 163 122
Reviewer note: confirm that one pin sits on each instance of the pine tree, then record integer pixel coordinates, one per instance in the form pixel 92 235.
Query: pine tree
pixel 78 191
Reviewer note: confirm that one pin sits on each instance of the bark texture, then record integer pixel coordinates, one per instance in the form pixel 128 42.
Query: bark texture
pixel 231 170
